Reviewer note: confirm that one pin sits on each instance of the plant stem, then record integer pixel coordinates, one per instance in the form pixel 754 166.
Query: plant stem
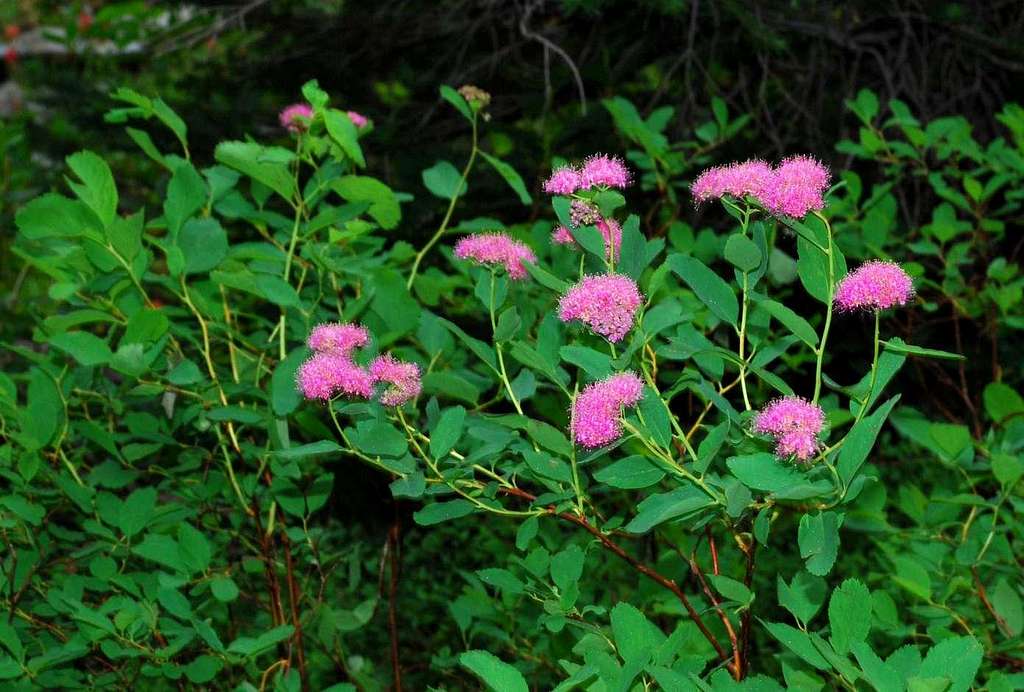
pixel 743 340
pixel 874 375
pixel 820 353
pixel 448 214
pixel 501 358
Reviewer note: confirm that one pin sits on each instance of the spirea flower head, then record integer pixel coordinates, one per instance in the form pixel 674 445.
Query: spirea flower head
pixel 338 338
pixel 601 170
pixel 606 303
pixel 358 119
pixel 563 181
pixel 794 423
pixel 582 213
pixel 327 374
pixel 799 187
pixel 752 178
pixel 597 410
pixel 873 286
pixel 496 249
pixel 296 117
pixel 403 378
pixel 610 230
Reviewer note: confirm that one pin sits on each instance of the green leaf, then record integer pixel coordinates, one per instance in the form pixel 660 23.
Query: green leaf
pixel 877 672
pixel 798 642
pixel 137 511
pixel 1007 604
pixel 266 165
pixel 97 189
pixel 656 418
pixel 631 473
pixel 812 264
pixel 730 588
pixel 479 348
pixel 44 410
pixel 125 235
pixel 277 291
pixel 194 548
pixel 763 471
pixel 344 132
pixel 596 364
pixel 1002 401
pixel 860 440
pixel 661 507
pixel 311 449
pixel 818 537
pixel 636 637
pixel 956 659
pixel 546 278
pixel 511 177
pixel 88 349
pixel 186 194
pixel 284 395
pixel 447 431
pixel 162 550
pixel 742 253
pixel 849 615
pixel 567 567
pixel 444 180
pixel 203 243
pixel 800 327
pixel 710 288
pixel 443 511
pixel 56 216
pixel 203 669
pixel 224 589
pixel 803 596
pixel 900 347
pixel 184 373
pixel 249 646
pixel 455 98
pixel 503 579
pixel 913 577
pixel 384 206
pixel 496 674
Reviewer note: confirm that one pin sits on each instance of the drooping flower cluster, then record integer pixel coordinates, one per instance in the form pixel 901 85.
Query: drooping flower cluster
pixel 597 410
pixel 793 188
pixel 598 171
pixel 295 118
pixel 606 303
pixel 610 230
pixel 874 286
pixel 794 423
pixel 496 249
pixel 332 370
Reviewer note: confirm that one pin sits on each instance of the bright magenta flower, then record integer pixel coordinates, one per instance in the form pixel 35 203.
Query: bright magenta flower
pixel 358 119
pixel 496 249
pixel 794 423
pixel 563 181
pixel 601 170
pixel 597 410
pixel 337 337
pixel 754 178
pixel 607 304
pixel 296 117
pixel 609 229
pixel 799 187
pixel 327 374
pixel 875 285
pixel 403 377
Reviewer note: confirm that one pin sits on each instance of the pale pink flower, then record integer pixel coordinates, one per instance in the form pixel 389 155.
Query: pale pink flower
pixel 607 304
pixel 337 337
pixel 296 117
pixel 327 374
pixel 799 187
pixel 496 249
pixel 358 119
pixel 794 423
pixel 563 181
pixel 403 378
pixel 562 236
pixel 602 170
pixel 597 411
pixel 609 229
pixel 874 286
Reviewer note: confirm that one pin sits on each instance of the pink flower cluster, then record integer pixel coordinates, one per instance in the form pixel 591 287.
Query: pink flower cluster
pixel 358 119
pixel 606 303
pixel 296 117
pixel 793 188
pixel 597 410
pixel 599 170
pixel 610 230
pixel 332 370
pixel 496 249
pixel 794 423
pixel 874 286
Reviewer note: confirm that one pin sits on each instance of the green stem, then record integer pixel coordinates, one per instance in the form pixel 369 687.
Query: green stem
pixel 743 341
pixel 874 375
pixel 448 214
pixel 501 358
pixel 820 353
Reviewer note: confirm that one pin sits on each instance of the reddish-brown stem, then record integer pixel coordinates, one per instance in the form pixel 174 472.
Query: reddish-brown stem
pixel 983 595
pixel 394 541
pixel 748 579
pixel 733 640
pixel 714 552
pixel 640 567
pixel 293 597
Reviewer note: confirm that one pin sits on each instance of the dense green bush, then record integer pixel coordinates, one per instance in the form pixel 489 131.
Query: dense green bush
pixel 177 514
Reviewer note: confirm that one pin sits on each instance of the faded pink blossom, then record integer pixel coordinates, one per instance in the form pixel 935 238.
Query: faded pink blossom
pixel 327 374
pixel 602 170
pixel 496 249
pixel 799 187
pixel 606 303
pixel 609 229
pixel 358 119
pixel 338 338
pixel 563 181
pixel 597 410
pixel 296 117
pixel 403 377
pixel 794 423
pixel 873 286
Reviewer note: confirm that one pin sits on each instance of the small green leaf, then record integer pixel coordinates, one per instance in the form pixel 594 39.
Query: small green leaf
pixel 204 245
pixel 849 615
pixel 742 253
pixel 900 347
pixel 88 349
pixel 818 537
pixel 710 288
pixel 447 431
pixel 97 189
pixel 1002 401
pixel 456 99
pixel 496 674
pixel 510 176
pixel 443 511
pixel 344 132
pixel 636 637
pixel 444 180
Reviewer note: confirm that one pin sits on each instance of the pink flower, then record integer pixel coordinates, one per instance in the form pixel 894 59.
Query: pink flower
pixel 875 285
pixel 799 187
pixel 609 229
pixel 495 249
pixel 597 410
pixel 795 423
pixel 601 170
pixel 338 338
pixel 563 181
pixel 326 374
pixel 403 377
pixel 748 179
pixel 296 117
pixel 562 236
pixel 358 119
pixel 607 304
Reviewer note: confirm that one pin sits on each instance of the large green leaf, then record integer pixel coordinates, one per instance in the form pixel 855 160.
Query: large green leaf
pixel 97 189
pixel 849 615
pixel 444 180
pixel 384 206
pixel 860 440
pixel 511 177
pixel 496 674
pixel 710 288
pixel 267 165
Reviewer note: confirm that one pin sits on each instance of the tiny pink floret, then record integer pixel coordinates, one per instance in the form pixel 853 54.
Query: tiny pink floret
pixel 597 410
pixel 563 181
pixel 403 378
pixel 496 249
pixel 602 170
pixel 794 423
pixel 607 304
pixel 874 286
pixel 342 338
pixel 296 117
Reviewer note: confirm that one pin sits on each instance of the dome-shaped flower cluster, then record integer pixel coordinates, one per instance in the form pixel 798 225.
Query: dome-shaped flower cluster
pixel 606 303
pixel 794 423
pixel 295 118
pixel 597 410
pixel 496 249
pixel 793 188
pixel 598 171
pixel 874 286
